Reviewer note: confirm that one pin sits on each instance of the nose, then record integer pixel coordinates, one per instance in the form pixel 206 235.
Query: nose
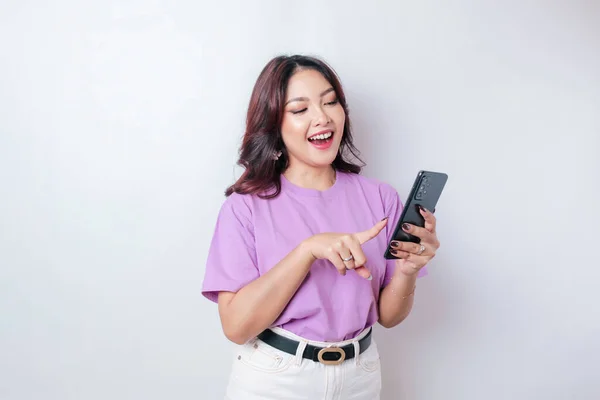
pixel 321 117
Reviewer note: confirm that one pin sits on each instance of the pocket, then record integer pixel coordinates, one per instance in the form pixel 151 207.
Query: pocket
pixel 369 360
pixel 262 357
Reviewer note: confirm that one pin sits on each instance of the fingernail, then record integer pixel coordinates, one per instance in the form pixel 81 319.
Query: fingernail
pixel 384 219
pixel 394 252
pixel 406 227
pixel 370 278
pixel 423 209
pixel 395 244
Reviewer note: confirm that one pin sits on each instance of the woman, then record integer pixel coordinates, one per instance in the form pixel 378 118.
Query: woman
pixel 296 262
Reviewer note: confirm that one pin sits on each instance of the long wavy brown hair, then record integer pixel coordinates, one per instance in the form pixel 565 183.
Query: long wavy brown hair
pixel 262 138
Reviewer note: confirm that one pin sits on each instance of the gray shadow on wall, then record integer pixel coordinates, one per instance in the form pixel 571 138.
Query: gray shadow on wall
pixel 440 298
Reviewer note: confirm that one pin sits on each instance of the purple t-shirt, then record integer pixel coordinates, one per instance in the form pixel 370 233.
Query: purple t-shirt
pixel 252 235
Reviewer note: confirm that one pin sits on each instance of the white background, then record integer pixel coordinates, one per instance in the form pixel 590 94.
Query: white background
pixel 120 123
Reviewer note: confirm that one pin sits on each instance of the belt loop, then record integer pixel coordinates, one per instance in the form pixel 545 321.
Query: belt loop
pixel 300 351
pixel 356 350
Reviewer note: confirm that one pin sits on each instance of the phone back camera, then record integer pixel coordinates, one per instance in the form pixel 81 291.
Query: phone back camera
pixel 421 193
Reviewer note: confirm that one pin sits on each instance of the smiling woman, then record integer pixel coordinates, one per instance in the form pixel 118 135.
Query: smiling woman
pixel 312 127
pixel 288 259
pixel 289 93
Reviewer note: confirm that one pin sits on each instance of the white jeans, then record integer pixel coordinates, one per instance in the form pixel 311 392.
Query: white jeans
pixel 261 372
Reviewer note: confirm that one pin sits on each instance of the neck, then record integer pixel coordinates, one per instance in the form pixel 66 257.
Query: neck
pixel 321 178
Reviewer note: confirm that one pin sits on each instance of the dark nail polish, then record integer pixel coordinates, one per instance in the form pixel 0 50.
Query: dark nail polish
pixel 394 252
pixel 395 244
pixel 423 208
pixel 406 227
pixel 384 218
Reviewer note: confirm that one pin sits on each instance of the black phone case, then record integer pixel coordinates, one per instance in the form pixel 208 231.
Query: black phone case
pixel 425 192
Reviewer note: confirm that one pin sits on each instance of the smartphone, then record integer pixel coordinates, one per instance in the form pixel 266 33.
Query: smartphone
pixel 425 192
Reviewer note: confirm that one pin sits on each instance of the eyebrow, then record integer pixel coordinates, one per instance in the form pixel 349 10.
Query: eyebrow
pixel 306 98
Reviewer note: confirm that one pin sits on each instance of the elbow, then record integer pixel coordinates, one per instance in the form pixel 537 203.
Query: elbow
pixel 234 328
pixel 390 323
pixel 235 336
pixel 236 332
pixel 387 324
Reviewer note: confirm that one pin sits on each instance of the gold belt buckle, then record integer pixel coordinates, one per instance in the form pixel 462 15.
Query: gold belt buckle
pixel 331 350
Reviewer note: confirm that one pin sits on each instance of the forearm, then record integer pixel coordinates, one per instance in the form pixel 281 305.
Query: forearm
pixel 396 299
pixel 257 305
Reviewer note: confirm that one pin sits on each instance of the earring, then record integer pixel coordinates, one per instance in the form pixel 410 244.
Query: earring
pixel 276 155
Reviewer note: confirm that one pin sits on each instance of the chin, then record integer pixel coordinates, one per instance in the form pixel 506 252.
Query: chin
pixel 323 160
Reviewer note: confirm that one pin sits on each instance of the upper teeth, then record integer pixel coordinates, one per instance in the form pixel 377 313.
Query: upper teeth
pixel 321 136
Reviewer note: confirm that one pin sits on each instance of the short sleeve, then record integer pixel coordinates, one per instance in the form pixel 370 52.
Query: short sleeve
pixel 392 208
pixel 231 262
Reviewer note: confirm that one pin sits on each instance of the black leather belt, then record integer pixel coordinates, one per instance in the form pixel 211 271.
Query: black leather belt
pixel 324 355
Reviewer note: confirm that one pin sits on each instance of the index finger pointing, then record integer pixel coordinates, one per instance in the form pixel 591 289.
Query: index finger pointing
pixel 369 234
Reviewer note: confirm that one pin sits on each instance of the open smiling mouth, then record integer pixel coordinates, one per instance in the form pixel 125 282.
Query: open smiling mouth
pixel 322 141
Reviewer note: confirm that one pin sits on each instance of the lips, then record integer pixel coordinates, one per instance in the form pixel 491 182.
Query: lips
pixel 321 135
pixel 322 140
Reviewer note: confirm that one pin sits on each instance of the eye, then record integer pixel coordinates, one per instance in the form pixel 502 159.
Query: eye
pixel 332 102
pixel 298 111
